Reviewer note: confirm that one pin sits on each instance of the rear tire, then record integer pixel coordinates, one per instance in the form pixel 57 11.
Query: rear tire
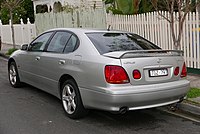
pixel 71 100
pixel 13 75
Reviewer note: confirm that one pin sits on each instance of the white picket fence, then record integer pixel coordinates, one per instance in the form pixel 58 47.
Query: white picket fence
pixel 24 33
pixel 151 26
pixel 156 29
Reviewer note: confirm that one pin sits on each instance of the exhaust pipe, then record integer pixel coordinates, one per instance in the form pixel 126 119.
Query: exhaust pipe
pixel 175 106
pixel 123 110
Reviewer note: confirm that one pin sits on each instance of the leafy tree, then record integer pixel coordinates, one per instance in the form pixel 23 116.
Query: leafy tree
pixel 29 11
pixel 24 11
pixel 112 6
pixel 11 5
pixel 14 10
pixel 18 13
pixel 182 7
pixel 123 6
pixel 146 6
pixel 0 3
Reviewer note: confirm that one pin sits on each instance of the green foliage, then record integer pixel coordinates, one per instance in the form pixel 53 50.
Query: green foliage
pixel 193 93
pixel 29 11
pixel 114 10
pixel 17 15
pixel 24 11
pixel 112 7
pixel 145 6
pixel 126 6
pixel 129 6
pixel 10 51
pixel 4 16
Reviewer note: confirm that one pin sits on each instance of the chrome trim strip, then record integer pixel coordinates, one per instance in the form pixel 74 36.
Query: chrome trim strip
pixel 155 105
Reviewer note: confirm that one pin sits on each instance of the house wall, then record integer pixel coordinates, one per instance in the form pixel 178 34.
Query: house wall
pixel 73 13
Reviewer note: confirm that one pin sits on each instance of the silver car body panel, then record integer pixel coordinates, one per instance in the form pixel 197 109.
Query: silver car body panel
pixel 135 97
pixel 86 65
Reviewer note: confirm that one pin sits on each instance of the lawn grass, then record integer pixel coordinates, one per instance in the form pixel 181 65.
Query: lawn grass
pixel 10 51
pixel 193 93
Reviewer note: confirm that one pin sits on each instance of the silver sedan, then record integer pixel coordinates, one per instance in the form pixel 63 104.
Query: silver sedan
pixel 100 69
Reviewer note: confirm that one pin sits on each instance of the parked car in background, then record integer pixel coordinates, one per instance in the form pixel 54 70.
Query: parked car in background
pixel 100 69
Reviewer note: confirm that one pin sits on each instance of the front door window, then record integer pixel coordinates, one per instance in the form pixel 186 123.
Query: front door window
pixel 39 43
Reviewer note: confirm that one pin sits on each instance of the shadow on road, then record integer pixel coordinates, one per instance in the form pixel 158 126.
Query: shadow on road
pixel 102 118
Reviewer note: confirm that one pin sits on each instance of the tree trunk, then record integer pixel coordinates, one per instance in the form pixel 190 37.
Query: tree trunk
pixel 12 29
pixel 177 45
pixel 0 43
pixel 136 4
pixel 173 34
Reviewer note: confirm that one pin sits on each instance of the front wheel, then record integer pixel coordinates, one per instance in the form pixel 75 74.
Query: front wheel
pixel 71 100
pixel 13 75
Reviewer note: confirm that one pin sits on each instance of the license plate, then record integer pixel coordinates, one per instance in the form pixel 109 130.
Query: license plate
pixel 158 72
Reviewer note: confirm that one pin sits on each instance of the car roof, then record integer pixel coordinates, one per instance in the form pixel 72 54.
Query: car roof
pixel 85 30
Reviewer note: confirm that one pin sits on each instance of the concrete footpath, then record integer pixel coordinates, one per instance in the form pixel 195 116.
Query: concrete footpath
pixel 189 105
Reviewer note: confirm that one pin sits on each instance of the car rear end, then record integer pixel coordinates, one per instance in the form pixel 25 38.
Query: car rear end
pixel 146 77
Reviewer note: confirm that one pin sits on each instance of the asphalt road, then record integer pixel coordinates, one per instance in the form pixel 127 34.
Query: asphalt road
pixel 29 110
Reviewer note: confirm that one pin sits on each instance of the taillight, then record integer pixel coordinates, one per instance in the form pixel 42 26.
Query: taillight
pixel 136 74
pixel 176 71
pixel 184 71
pixel 116 75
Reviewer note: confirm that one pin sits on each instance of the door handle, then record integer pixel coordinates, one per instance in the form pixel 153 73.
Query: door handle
pixel 61 62
pixel 37 58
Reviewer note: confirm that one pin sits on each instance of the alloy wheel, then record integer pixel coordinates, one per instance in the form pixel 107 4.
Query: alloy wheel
pixel 68 99
pixel 13 75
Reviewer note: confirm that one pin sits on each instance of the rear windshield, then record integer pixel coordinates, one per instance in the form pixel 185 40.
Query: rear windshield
pixel 111 42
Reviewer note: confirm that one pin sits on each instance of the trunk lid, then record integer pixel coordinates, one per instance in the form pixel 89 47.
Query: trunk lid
pixel 155 66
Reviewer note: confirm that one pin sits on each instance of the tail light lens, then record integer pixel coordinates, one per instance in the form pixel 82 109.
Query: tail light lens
pixel 136 74
pixel 184 71
pixel 176 71
pixel 116 75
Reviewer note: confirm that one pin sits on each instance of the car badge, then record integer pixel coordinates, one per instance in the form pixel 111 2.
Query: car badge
pixel 159 60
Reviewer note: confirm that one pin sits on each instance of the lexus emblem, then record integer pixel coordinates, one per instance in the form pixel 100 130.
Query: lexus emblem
pixel 159 60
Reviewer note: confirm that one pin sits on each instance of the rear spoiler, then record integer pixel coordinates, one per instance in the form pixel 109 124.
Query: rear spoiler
pixel 143 53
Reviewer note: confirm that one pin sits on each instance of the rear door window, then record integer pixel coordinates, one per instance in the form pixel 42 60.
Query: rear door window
pixel 111 42
pixel 58 42
pixel 71 44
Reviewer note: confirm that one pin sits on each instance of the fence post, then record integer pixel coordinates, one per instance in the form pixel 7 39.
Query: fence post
pixel 22 30
pixel 29 30
pixel 10 41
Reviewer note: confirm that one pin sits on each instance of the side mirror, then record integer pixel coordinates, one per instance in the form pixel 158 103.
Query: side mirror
pixel 24 47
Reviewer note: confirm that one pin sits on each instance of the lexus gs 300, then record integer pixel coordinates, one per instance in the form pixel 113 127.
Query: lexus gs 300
pixel 100 69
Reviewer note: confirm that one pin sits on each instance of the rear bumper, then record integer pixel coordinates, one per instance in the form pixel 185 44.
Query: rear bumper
pixel 135 97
